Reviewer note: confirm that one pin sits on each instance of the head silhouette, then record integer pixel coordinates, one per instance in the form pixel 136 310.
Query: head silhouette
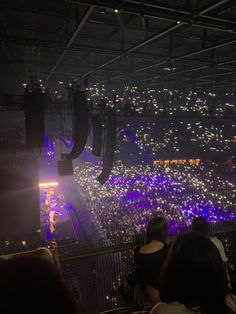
pixel 156 230
pixel 32 284
pixel 200 224
pixel 193 274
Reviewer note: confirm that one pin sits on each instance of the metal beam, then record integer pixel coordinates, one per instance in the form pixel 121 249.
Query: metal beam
pixel 226 62
pixel 160 12
pixel 177 9
pixel 117 31
pixel 74 35
pixel 155 36
pixel 212 6
pixel 139 45
pixel 115 51
pixel 151 3
pixel 193 53
pixel 22 41
pixel 147 56
pixel 162 6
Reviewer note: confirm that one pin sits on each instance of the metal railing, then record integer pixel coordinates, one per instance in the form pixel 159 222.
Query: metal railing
pixel 94 274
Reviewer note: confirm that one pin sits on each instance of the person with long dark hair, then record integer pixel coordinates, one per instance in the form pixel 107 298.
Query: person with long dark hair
pixel 150 257
pixel 192 279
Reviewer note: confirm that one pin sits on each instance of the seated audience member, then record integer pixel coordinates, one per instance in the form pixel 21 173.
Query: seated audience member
pixel 150 257
pixel 33 285
pixel 199 224
pixel 192 279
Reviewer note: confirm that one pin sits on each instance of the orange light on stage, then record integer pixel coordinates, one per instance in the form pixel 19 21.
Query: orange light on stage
pixel 47 184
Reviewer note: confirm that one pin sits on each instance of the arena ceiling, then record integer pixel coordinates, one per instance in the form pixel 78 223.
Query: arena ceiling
pixel 182 42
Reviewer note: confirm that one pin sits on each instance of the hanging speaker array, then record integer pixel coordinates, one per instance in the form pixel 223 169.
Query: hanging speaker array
pixel 103 126
pixel 81 124
pixel 109 146
pixel 97 135
pixel 34 119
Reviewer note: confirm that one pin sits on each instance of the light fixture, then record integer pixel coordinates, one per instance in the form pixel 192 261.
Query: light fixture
pixel 116 11
pixel 47 184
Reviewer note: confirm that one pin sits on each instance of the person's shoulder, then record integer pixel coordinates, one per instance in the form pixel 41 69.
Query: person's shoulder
pixel 217 243
pixel 143 249
pixel 231 302
pixel 151 248
pixel 174 308
pixel 215 240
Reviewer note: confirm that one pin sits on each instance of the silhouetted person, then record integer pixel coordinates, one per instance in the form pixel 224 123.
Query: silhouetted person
pixel 150 258
pixel 193 280
pixel 33 285
pixel 200 224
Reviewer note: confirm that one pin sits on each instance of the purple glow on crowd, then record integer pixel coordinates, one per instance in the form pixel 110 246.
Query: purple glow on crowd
pixel 135 194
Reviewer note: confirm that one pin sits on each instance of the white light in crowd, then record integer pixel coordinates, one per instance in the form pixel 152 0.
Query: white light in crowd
pixel 116 11
pixel 60 82
pixel 47 184
pixel 24 85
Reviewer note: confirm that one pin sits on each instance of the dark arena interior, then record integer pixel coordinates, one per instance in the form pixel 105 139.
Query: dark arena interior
pixel 115 113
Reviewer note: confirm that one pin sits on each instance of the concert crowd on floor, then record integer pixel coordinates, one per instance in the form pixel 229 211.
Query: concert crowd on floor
pixel 135 194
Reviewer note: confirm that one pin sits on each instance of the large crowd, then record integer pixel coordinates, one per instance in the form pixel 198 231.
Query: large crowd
pixel 137 100
pixel 134 194
pixel 176 133
pixel 166 138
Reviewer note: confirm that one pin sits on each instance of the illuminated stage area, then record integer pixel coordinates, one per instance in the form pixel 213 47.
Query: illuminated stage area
pixel 52 207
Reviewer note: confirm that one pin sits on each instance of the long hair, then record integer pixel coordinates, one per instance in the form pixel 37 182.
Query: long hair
pixel 156 230
pixel 193 275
